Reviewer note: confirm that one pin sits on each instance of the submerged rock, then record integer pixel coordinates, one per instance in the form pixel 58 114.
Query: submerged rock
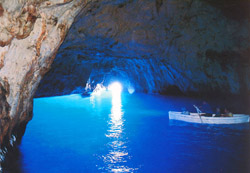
pixel 172 47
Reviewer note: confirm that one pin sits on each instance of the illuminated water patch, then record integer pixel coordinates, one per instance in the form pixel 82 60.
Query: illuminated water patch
pixel 126 133
pixel 118 153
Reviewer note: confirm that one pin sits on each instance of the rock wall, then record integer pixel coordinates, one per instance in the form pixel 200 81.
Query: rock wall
pixel 30 35
pixel 165 46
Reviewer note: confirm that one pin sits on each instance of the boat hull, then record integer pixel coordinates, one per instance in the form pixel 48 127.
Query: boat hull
pixel 195 118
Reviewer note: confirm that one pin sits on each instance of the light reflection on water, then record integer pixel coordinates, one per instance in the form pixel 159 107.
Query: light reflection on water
pixel 117 153
pixel 130 133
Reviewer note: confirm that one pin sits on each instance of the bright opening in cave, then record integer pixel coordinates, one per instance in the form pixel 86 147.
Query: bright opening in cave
pixel 115 88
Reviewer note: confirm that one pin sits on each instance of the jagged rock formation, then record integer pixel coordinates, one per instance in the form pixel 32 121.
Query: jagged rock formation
pixel 30 35
pixel 193 46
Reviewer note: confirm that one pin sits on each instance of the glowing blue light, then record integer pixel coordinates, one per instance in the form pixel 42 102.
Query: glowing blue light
pixel 118 154
pixel 131 89
pixel 115 88
pixel 98 90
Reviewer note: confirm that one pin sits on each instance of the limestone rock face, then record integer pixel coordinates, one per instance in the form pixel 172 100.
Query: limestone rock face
pixel 192 46
pixel 30 35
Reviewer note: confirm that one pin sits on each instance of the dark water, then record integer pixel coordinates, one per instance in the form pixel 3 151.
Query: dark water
pixel 128 134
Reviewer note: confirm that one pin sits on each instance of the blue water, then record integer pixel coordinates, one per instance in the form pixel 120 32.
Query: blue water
pixel 131 133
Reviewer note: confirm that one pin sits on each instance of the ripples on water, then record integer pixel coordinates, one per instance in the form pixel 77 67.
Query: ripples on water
pixel 128 133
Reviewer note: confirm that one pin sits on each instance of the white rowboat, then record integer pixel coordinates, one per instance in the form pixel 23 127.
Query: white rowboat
pixel 195 118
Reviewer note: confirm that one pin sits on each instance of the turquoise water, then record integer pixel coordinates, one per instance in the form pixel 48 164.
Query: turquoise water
pixel 131 133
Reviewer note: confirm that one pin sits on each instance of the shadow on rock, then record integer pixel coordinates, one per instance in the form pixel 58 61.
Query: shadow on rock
pixel 13 161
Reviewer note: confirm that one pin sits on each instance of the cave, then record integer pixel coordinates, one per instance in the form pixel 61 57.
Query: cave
pixel 89 86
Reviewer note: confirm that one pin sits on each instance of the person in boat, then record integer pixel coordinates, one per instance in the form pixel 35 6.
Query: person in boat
pixel 206 110
pixel 227 113
pixel 217 112
pixel 184 111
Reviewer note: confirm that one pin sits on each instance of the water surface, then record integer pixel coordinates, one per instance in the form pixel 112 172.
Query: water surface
pixel 131 133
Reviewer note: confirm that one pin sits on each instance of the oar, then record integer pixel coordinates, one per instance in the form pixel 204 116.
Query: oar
pixel 198 111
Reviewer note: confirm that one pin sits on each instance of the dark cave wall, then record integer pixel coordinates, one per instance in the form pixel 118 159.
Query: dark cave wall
pixel 174 46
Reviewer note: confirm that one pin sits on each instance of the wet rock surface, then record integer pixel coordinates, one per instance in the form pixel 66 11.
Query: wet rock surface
pixel 195 47
pixel 30 35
